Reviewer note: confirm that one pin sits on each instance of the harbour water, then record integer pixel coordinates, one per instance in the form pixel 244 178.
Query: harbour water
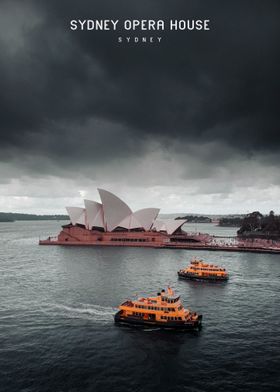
pixel 57 306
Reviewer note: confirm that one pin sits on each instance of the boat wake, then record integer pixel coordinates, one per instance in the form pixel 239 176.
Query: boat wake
pixel 95 313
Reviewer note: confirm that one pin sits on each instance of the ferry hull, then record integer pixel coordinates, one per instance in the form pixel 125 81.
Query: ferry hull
pixel 195 325
pixel 199 278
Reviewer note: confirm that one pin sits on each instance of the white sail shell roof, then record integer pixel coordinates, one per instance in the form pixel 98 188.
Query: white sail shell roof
pixel 168 225
pixel 94 214
pixel 145 217
pixel 115 210
pixel 113 213
pixel 76 215
pixel 82 219
pixel 159 225
pixel 173 224
pixel 140 219
pixel 126 222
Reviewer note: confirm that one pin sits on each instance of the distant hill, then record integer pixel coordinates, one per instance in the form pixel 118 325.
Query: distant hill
pixel 231 221
pixel 257 225
pixel 12 216
pixel 195 219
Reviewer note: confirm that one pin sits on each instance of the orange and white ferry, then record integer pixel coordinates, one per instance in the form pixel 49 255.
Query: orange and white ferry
pixel 165 311
pixel 198 270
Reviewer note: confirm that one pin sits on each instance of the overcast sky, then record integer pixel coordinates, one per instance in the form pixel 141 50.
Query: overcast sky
pixel 187 125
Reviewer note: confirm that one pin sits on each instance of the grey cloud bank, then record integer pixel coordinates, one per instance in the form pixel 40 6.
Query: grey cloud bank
pixel 195 117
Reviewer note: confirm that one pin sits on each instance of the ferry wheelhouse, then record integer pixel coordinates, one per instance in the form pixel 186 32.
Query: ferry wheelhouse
pixel 165 311
pixel 198 270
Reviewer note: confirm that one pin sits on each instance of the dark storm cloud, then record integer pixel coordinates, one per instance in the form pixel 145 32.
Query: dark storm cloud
pixel 81 97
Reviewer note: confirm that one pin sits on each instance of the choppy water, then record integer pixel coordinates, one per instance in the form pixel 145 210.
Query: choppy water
pixel 56 319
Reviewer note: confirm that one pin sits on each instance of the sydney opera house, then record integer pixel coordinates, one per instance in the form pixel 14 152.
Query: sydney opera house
pixel 113 223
